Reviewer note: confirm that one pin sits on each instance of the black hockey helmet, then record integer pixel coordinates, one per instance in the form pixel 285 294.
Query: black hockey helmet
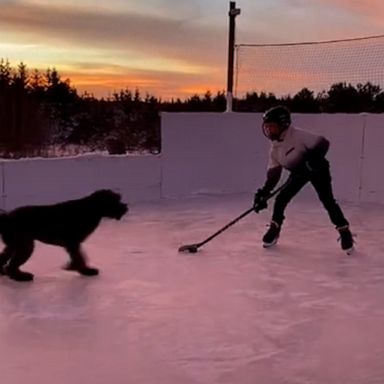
pixel 279 115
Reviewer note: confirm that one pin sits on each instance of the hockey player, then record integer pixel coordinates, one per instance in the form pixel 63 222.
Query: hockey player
pixel 303 154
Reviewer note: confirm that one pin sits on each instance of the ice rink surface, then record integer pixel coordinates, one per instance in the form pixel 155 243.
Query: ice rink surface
pixel 233 313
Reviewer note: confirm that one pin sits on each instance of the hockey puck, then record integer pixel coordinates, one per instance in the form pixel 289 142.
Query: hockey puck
pixel 191 248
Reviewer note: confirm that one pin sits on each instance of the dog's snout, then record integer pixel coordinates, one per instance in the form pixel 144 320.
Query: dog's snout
pixel 122 211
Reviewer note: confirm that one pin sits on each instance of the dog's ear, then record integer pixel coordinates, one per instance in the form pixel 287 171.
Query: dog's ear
pixel 108 203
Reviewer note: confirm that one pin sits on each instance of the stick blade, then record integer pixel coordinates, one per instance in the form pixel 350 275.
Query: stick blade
pixel 191 248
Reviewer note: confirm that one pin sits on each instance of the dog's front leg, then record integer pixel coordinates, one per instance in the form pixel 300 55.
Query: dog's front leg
pixel 78 263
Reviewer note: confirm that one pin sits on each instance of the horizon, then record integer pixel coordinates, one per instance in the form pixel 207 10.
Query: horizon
pixel 364 87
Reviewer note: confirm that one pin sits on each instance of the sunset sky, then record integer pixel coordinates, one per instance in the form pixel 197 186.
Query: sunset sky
pixel 168 48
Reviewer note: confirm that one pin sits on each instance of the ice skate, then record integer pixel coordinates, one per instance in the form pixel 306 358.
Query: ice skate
pixel 346 239
pixel 272 235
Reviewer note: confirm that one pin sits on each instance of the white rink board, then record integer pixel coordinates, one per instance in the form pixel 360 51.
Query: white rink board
pixel 214 153
pixel 43 181
pixel 372 172
pixel 228 153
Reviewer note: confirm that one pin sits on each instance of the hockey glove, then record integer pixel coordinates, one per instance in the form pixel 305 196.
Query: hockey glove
pixel 260 200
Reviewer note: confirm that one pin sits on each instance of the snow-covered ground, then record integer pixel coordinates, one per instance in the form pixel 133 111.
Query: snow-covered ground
pixel 302 312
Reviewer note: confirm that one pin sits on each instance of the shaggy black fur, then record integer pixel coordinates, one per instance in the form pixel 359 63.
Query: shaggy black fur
pixel 66 224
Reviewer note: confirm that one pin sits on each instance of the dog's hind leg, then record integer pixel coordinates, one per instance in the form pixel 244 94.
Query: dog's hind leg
pixel 78 262
pixel 5 257
pixel 21 253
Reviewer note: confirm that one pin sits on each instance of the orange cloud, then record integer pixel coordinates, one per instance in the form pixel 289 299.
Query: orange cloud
pixel 149 35
pixel 163 85
pixel 116 49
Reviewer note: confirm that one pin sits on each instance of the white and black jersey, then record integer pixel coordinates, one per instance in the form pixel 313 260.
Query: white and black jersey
pixel 293 146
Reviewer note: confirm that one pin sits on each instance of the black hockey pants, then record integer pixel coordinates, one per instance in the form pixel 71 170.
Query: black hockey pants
pixel 321 181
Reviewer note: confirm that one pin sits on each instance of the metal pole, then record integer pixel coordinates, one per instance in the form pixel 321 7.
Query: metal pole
pixel 233 12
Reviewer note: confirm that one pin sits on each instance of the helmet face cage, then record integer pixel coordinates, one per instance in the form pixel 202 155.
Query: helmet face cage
pixel 279 115
pixel 273 134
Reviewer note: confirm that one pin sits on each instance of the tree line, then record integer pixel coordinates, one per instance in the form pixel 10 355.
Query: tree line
pixel 41 110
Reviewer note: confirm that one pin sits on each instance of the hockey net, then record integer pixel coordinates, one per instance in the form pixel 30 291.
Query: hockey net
pixel 285 69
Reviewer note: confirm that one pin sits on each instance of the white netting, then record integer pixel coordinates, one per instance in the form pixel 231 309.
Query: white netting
pixel 287 68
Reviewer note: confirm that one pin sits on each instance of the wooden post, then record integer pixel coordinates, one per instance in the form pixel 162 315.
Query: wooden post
pixel 233 12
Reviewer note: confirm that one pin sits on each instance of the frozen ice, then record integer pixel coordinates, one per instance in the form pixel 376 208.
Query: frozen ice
pixel 301 312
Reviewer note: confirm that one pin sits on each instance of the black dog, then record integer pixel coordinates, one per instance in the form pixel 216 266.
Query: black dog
pixel 65 224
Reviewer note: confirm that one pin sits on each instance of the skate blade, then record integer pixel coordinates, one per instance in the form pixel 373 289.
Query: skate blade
pixel 349 251
pixel 269 245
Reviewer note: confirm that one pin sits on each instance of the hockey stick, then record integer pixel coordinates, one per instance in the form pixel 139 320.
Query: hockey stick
pixel 192 248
